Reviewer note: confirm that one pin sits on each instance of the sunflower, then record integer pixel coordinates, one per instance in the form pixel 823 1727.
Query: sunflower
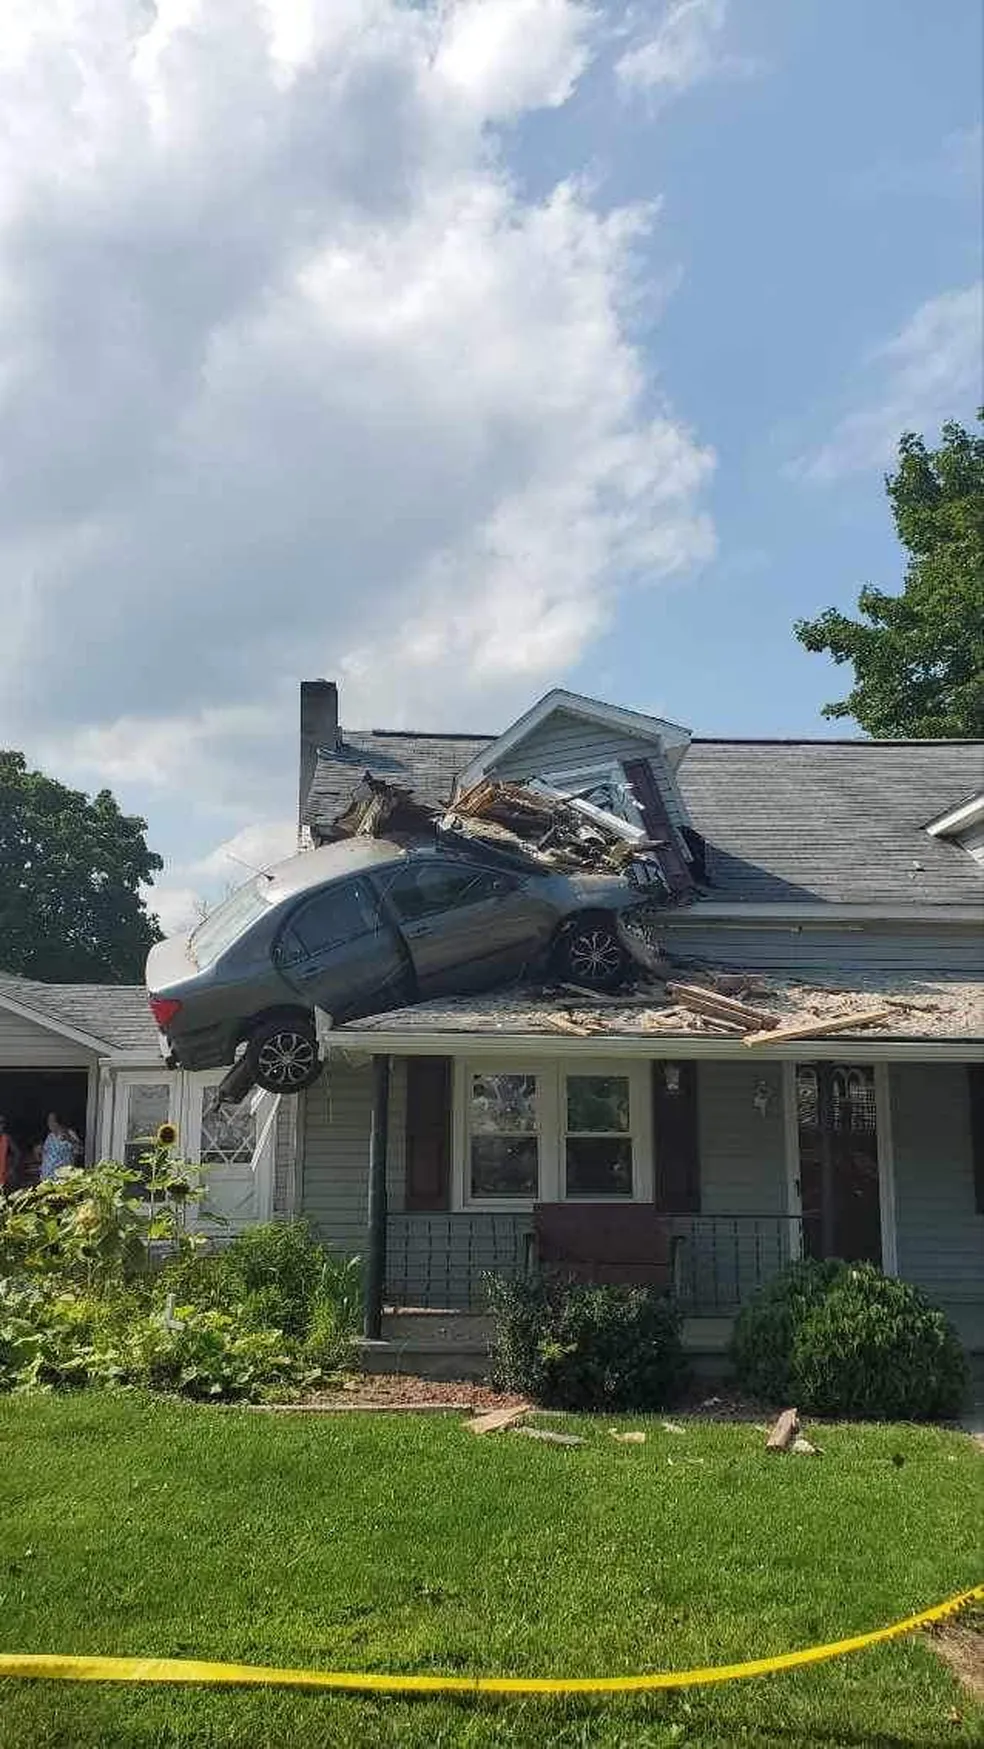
pixel 167 1135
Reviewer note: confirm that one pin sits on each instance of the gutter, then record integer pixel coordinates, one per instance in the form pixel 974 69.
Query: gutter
pixel 505 1046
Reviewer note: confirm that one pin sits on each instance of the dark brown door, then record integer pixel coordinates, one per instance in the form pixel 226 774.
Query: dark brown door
pixel 838 1155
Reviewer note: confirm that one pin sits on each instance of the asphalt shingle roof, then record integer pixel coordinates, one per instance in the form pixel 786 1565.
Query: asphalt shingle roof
pixel 117 1014
pixel 427 764
pixel 786 822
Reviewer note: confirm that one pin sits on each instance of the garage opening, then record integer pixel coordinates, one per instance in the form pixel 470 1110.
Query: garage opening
pixel 27 1096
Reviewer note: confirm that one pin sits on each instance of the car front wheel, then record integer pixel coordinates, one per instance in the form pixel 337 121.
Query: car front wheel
pixel 590 953
pixel 283 1055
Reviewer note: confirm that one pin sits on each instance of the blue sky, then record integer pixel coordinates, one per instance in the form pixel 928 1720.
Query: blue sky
pixel 456 350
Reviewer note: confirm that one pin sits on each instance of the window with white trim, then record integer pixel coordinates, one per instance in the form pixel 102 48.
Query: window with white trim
pixel 228 1132
pixel 503 1140
pixel 597 1136
pixel 147 1106
pixel 551 1132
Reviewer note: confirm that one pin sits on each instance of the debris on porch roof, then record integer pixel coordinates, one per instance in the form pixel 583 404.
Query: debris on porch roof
pixel 534 821
pixel 913 1007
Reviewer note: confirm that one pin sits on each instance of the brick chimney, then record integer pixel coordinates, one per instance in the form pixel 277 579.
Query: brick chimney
pixel 319 728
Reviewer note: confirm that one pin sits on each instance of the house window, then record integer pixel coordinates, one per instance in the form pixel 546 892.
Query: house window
pixel 550 1131
pixel 228 1132
pixel 148 1106
pixel 598 1136
pixel 504 1148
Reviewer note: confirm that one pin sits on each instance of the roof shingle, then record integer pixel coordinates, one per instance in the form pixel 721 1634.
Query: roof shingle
pixel 117 1014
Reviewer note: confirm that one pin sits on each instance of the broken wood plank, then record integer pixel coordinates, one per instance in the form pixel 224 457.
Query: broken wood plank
pixel 630 1438
pixel 494 1420
pixel 784 1431
pixel 550 1438
pixel 820 1028
pixel 804 1449
pixel 721 1007
pixel 560 1023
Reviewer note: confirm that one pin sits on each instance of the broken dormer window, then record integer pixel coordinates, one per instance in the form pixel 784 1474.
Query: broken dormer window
pixel 604 786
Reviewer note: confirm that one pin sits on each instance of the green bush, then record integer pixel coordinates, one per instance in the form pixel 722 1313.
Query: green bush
pixel 272 1274
pixel 93 1227
pixel 844 1339
pixel 209 1354
pixel 573 1346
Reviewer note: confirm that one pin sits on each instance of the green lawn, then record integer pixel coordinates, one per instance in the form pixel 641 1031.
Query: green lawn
pixel 401 1543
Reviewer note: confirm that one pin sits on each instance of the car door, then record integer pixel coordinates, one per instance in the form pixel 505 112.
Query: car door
pixel 467 926
pixel 339 951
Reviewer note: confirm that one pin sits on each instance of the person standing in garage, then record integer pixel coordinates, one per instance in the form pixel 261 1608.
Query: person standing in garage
pixel 61 1147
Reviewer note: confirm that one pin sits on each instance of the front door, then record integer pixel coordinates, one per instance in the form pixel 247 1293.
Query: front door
pixel 838 1161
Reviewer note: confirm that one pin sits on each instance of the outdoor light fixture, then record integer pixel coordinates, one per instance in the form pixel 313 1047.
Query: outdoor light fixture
pixel 762 1097
pixel 671 1075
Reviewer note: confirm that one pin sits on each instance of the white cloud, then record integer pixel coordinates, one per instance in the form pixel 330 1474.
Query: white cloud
pixel 926 373
pixel 685 49
pixel 255 848
pixel 294 380
pixel 510 55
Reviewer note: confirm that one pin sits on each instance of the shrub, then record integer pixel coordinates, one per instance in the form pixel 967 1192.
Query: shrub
pixel 272 1273
pixel 844 1339
pixel 762 1346
pixel 573 1346
pixel 209 1354
pixel 92 1226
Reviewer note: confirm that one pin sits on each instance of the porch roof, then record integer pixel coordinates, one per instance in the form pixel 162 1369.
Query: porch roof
pixel 924 1012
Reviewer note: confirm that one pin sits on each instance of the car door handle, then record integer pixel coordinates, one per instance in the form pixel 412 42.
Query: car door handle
pixel 416 931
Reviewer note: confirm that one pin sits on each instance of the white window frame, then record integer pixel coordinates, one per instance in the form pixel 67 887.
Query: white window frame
pixel 130 1078
pixel 585 776
pixel 185 1110
pixel 551 1077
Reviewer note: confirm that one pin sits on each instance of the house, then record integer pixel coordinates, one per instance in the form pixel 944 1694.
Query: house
pixel 91 1053
pixel 440 1138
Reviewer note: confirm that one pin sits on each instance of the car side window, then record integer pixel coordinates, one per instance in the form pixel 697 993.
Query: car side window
pixel 427 888
pixel 340 913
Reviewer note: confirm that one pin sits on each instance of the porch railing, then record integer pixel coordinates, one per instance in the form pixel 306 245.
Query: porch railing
pixel 441 1260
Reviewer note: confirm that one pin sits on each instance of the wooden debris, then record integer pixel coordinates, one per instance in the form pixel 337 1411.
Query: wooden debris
pixel 804 1448
pixel 550 1438
pixel 631 1438
pixel 494 1420
pixel 672 1427
pixel 720 1007
pixel 785 1430
pixel 560 1023
pixel 820 1028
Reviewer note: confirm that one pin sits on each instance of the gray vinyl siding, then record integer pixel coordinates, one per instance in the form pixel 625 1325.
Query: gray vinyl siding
pixel 23 1045
pixel 284 1158
pixel 939 1235
pixel 742 1152
pixel 804 948
pixel 565 742
pixel 335 1154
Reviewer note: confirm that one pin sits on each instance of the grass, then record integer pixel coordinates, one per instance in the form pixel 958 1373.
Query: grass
pixel 138 1526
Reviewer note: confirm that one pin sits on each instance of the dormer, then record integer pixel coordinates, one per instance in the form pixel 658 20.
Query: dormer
pixel 620 760
pixel 963 825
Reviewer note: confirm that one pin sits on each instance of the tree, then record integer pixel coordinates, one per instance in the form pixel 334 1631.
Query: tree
pixel 919 659
pixel 70 872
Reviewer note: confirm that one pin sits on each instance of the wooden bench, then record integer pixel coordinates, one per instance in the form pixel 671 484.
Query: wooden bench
pixel 626 1244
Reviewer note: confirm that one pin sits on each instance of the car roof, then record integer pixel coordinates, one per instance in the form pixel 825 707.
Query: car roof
pixel 330 862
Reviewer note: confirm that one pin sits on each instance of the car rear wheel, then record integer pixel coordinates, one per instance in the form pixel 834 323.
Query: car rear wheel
pixel 283 1055
pixel 590 952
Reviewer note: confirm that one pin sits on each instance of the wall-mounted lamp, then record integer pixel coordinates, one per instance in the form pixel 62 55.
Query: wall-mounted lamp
pixel 671 1075
pixel 762 1097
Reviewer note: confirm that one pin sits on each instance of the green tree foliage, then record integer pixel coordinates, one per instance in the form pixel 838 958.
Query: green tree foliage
pixel 919 657
pixel 70 871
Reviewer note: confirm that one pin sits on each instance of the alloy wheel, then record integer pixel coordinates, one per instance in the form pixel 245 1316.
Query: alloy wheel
pixel 286 1058
pixel 594 955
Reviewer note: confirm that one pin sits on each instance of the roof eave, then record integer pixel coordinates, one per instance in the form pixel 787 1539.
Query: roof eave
pixel 416 1042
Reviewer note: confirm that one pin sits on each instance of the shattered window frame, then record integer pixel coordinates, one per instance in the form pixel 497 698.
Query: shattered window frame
pixel 580 782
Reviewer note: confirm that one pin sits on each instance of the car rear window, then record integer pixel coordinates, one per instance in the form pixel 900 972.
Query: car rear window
pixel 228 921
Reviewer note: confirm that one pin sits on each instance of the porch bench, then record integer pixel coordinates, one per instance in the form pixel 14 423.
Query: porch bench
pixel 627 1245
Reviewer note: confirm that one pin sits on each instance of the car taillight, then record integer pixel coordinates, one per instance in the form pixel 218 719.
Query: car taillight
pixel 164 1008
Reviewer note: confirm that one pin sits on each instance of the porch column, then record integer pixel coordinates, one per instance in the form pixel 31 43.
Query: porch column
pixel 376 1257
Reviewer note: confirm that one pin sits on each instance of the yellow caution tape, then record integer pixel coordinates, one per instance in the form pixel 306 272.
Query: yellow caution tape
pixel 21 1664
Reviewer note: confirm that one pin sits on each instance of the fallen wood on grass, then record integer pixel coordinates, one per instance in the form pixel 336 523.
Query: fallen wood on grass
pixel 494 1420
pixel 784 1431
pixel 550 1438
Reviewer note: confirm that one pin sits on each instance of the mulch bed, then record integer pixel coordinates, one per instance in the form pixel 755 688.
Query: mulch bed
pixel 382 1391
